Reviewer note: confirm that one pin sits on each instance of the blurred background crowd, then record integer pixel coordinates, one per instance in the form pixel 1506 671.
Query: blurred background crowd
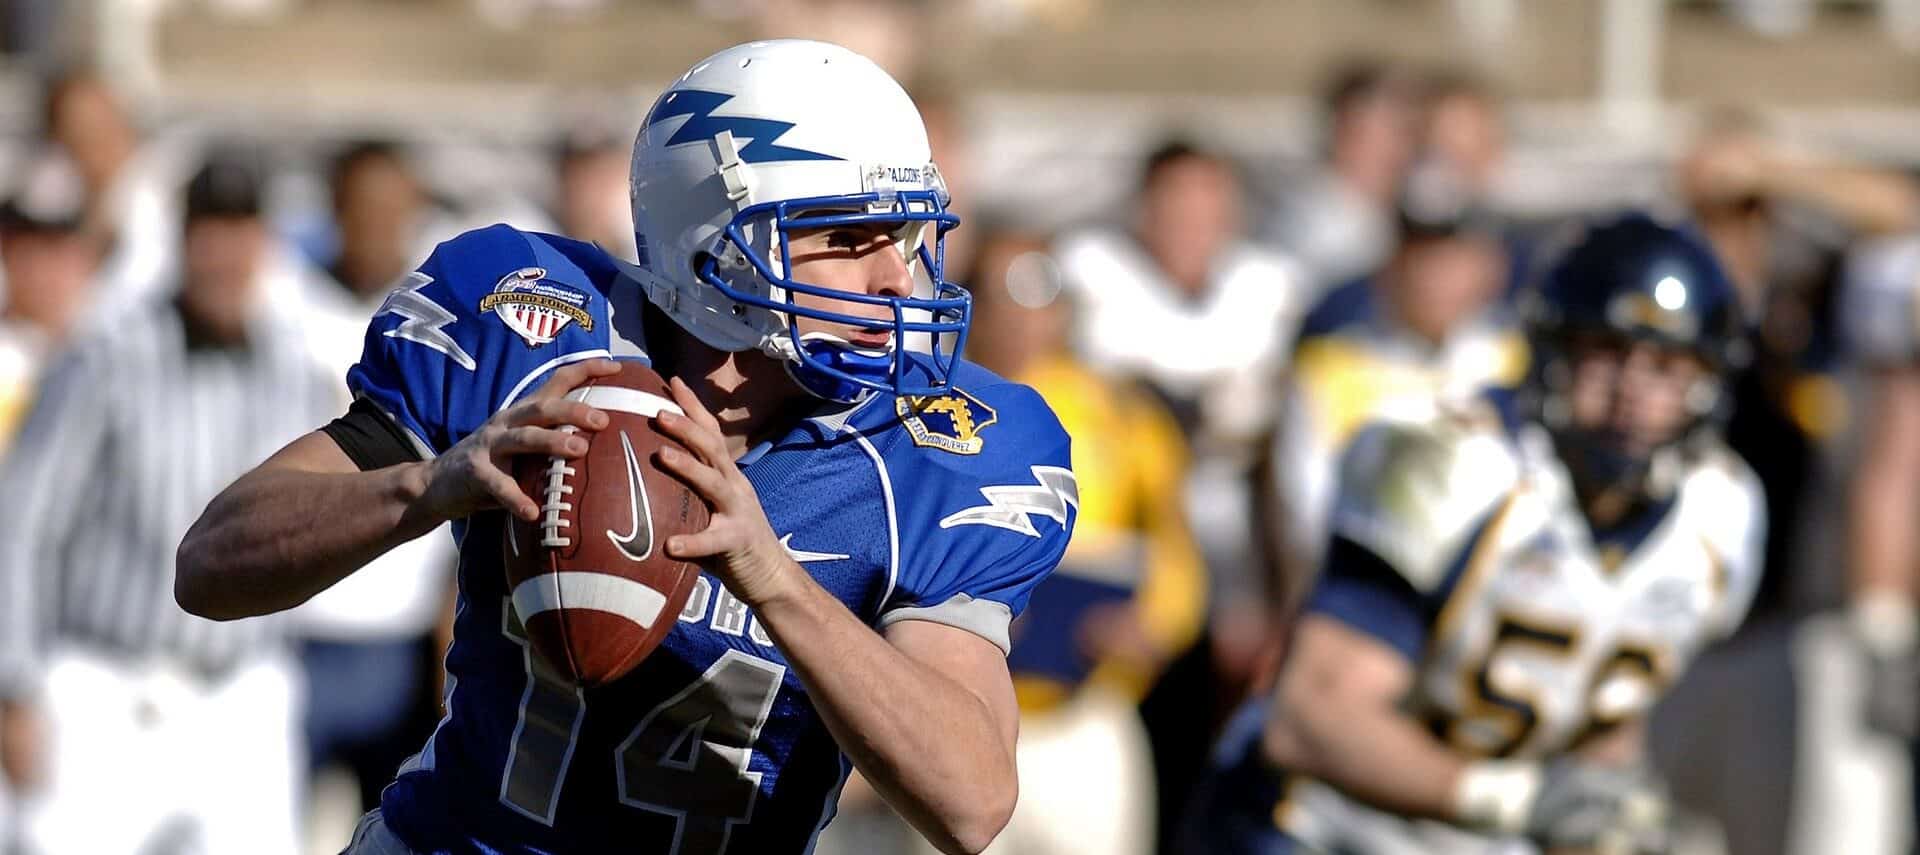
pixel 1217 235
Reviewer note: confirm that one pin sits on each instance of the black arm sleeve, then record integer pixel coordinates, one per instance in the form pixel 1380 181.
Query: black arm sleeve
pixel 370 438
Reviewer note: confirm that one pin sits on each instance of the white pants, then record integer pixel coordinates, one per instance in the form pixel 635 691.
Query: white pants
pixel 1852 793
pixel 1086 781
pixel 147 759
pixel 7 829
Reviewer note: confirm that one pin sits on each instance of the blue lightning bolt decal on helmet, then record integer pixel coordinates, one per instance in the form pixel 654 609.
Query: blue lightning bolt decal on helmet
pixel 772 138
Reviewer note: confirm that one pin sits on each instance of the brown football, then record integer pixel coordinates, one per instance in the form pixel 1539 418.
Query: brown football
pixel 590 579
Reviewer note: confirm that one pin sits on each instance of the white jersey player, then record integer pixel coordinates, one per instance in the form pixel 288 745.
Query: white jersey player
pixel 1510 586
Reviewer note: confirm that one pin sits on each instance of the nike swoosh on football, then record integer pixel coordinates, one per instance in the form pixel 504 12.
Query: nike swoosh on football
pixel 802 556
pixel 640 520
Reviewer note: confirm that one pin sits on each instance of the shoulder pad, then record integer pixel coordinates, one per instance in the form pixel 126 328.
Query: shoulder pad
pixel 488 314
pixel 984 492
pixel 1412 492
pixel 1722 500
pixel 987 427
pixel 991 453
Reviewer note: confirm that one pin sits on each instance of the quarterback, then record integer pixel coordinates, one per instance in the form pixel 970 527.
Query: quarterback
pixel 1509 585
pixel 879 515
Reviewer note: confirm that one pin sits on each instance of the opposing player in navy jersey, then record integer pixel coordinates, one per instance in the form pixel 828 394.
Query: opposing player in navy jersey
pixel 880 515
pixel 1509 586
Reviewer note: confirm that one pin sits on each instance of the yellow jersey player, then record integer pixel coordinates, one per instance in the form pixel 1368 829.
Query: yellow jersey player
pixel 1426 328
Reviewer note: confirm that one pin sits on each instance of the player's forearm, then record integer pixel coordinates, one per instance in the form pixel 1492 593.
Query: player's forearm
pixel 925 742
pixel 278 536
pixel 1883 536
pixel 1377 755
pixel 1868 200
pixel 1882 608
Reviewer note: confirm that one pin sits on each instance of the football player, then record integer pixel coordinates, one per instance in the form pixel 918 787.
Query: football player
pixel 879 516
pixel 1882 303
pixel 1509 585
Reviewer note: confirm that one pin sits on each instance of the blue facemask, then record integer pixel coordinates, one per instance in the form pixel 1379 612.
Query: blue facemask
pixel 823 365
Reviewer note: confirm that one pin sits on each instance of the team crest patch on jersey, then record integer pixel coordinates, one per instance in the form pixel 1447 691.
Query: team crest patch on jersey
pixel 951 423
pixel 536 309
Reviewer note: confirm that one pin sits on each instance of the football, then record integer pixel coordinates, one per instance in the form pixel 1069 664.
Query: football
pixel 590 578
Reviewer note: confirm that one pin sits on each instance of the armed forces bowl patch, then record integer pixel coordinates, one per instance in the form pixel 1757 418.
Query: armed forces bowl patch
pixel 536 309
pixel 951 423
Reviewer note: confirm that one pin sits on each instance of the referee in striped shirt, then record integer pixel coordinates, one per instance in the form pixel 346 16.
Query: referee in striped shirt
pixel 181 730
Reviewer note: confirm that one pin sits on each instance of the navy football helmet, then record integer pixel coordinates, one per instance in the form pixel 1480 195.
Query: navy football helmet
pixel 1631 279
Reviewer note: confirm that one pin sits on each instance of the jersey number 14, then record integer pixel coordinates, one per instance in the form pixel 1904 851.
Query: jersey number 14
pixel 688 757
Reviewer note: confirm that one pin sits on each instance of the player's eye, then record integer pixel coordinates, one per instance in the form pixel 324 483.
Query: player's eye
pixel 844 239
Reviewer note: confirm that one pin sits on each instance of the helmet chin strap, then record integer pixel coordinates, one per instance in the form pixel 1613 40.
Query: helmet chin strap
pixel 825 350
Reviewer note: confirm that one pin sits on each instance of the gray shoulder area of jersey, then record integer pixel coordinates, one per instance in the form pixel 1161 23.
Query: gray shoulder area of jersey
pixel 1415 491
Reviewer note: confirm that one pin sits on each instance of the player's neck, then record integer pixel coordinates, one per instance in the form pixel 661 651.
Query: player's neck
pixel 748 392
pixel 1607 507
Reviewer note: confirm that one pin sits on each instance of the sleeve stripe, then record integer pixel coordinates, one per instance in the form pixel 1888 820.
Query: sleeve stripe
pixel 893 516
pixel 985 618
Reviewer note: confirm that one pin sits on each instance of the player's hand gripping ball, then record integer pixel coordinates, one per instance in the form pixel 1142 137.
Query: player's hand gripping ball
pixel 590 577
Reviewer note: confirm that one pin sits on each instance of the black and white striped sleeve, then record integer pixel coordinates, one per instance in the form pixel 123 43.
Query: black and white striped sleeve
pixel 59 452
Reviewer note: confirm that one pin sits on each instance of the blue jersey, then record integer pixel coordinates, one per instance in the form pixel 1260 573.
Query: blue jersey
pixel 945 509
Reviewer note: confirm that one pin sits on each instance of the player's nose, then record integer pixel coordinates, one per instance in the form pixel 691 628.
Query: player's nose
pixel 887 272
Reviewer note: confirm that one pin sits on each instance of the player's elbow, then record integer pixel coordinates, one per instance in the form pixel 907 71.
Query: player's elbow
pixel 1286 739
pixel 972 831
pixel 190 585
pixel 195 579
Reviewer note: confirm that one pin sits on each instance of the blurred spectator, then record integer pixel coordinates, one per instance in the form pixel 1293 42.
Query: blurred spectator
pixel 1464 128
pixel 1338 220
pixel 1782 221
pixel 128 203
pixel 379 210
pixel 951 140
pixel 1881 309
pixel 368 645
pixel 1182 301
pixel 1130 595
pixel 1463 139
pixel 592 203
pixel 48 260
pixel 185 727
pixel 1420 332
pixel 1880 619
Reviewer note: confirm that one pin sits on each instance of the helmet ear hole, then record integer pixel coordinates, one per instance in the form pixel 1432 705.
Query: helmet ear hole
pixel 700 262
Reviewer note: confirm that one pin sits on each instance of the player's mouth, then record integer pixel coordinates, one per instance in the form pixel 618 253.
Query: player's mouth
pixel 869 339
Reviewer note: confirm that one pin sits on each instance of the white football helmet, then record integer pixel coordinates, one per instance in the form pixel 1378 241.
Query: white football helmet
pixel 768 137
